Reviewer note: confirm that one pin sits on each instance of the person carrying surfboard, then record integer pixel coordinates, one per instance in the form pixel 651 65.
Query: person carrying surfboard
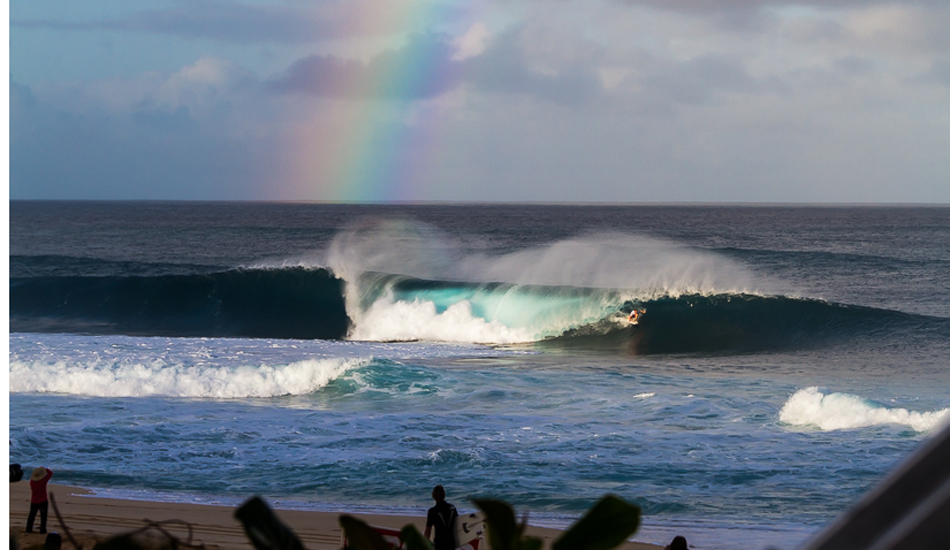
pixel 442 517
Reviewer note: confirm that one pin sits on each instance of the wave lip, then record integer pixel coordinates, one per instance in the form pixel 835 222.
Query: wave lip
pixel 810 407
pixel 117 378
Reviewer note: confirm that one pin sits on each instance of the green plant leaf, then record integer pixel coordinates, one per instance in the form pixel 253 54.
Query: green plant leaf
pixel 264 529
pixel 412 539
pixel 531 543
pixel 607 525
pixel 361 536
pixel 503 529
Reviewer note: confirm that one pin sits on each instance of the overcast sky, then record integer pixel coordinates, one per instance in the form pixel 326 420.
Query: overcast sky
pixel 495 100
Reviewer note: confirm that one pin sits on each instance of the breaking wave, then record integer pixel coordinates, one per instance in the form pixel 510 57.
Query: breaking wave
pixel 389 280
pixel 122 378
pixel 812 408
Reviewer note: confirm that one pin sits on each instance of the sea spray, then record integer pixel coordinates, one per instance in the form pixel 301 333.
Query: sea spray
pixel 810 407
pixel 644 267
pixel 607 260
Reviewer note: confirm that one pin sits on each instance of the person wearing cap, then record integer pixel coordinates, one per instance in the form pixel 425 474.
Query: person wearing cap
pixel 442 517
pixel 39 501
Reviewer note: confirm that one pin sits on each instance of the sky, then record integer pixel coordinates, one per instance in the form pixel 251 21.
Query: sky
pixel 831 101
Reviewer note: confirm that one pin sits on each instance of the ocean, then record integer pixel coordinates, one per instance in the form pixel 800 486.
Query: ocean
pixel 350 357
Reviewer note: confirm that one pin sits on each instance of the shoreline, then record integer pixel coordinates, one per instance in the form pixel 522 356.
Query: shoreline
pixel 91 518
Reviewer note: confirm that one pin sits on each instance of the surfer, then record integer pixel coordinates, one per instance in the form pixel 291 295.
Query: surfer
pixel 442 516
pixel 634 316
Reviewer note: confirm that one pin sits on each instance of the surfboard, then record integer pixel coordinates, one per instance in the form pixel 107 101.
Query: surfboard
pixel 470 527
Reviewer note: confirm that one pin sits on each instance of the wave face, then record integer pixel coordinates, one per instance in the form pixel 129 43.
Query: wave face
pixel 260 303
pixel 744 322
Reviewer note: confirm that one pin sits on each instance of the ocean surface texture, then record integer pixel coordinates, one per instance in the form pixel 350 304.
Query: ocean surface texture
pixel 351 357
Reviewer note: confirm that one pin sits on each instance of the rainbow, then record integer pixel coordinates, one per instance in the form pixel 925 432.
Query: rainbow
pixel 373 143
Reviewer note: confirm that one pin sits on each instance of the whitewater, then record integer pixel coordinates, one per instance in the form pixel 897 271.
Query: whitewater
pixel 342 358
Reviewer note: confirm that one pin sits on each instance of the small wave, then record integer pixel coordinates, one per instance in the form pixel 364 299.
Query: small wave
pixel 841 411
pixel 158 378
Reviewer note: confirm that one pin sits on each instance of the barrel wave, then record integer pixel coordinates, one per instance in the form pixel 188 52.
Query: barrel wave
pixel 743 322
pixel 400 280
pixel 311 303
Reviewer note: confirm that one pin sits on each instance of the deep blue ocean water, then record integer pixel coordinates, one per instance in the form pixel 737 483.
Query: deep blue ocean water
pixel 350 357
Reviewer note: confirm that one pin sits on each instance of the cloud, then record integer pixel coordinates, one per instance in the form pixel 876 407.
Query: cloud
pixel 591 101
pixel 199 133
pixel 238 22
pixel 473 43
pixel 423 68
pixel 938 73
pixel 719 6
pixel 233 22
pixel 699 80
pixel 431 65
pixel 505 69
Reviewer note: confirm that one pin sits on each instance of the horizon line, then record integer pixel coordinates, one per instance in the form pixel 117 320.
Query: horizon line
pixel 503 202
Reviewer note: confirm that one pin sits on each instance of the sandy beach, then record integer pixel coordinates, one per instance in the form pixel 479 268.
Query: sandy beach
pixel 91 518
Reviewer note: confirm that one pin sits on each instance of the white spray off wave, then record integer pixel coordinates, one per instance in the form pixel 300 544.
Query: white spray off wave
pixel 625 267
pixel 391 320
pixel 157 378
pixel 841 411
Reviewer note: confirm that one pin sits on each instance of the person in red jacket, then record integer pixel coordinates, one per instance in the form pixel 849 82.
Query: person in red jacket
pixel 39 501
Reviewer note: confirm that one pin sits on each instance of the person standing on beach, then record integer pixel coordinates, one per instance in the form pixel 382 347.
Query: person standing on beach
pixel 39 501
pixel 678 543
pixel 442 517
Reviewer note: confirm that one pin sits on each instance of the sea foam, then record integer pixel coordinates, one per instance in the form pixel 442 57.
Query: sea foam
pixel 810 407
pixel 117 378
pixel 391 320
